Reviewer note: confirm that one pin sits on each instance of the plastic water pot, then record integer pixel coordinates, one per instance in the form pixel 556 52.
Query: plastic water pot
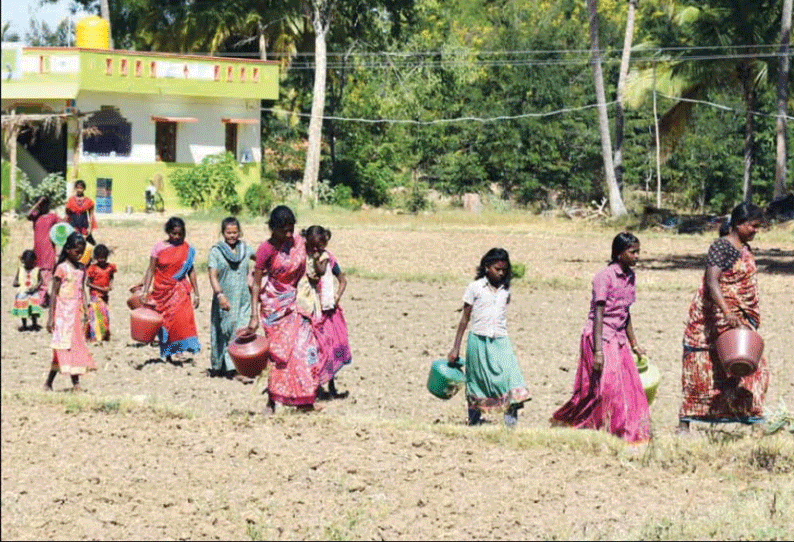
pixel 145 322
pixel 87 254
pixel 59 232
pixel 444 381
pixel 649 376
pixel 249 352
pixel 739 350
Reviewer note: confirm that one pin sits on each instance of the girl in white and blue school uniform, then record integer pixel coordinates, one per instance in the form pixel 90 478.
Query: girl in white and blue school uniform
pixel 494 382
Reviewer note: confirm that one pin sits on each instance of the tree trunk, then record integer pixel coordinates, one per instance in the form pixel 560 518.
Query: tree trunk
pixel 262 45
pixel 312 170
pixel 624 71
pixel 104 11
pixel 616 206
pixel 781 135
pixel 749 101
pixel 12 177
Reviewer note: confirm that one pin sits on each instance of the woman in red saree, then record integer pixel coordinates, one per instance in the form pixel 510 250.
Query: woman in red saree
pixel 293 347
pixel 172 278
pixel 727 298
pixel 80 212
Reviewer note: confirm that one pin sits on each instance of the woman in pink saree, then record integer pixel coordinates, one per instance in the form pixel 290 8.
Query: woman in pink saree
pixel 293 351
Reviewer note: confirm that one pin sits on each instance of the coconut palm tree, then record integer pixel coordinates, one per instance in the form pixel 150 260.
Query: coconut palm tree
pixel 718 46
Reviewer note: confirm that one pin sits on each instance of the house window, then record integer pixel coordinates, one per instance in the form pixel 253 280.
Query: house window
pixel 230 73
pixel 242 74
pixel 255 75
pixel 123 66
pixel 107 133
pixel 231 138
pixel 108 66
pixel 153 69
pixel 138 68
pixel 42 64
pixel 165 141
pixel 217 72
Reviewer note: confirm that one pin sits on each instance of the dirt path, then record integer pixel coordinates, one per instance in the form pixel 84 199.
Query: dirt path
pixel 159 451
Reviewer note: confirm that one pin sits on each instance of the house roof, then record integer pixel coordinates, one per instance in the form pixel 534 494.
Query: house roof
pixel 64 72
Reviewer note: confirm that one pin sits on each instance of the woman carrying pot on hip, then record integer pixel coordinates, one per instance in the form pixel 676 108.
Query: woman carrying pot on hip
pixel 727 298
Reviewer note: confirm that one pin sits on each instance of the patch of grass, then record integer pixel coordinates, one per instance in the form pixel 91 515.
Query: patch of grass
pixel 122 223
pixel 557 283
pixel 426 278
pixel 752 514
pixel 75 403
pixel 518 270
pixel 344 529
pixel 722 449
pixel 254 531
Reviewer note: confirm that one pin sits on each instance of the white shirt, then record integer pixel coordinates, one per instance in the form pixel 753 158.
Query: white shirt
pixel 488 308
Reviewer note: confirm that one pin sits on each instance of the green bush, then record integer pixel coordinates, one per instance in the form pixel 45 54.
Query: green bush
pixel 53 185
pixel 258 199
pixel 211 183
pixel 518 270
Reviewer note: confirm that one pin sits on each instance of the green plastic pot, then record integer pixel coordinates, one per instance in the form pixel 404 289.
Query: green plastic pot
pixel 649 376
pixel 59 232
pixel 444 381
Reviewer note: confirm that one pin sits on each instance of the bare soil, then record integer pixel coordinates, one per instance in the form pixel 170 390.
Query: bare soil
pixel 153 450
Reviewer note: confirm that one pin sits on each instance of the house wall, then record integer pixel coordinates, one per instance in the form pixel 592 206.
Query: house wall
pixel 130 180
pixel 194 141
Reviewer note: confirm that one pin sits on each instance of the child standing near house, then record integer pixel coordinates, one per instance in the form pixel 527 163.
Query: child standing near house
pixel 493 377
pixel 608 392
pixel 70 353
pixel 330 326
pixel 27 281
pixel 80 212
pixel 100 282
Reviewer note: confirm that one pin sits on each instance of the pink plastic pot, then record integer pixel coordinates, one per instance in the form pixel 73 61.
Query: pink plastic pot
pixel 739 350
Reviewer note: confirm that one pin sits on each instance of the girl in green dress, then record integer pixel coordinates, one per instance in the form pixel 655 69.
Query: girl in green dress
pixel 229 262
pixel 493 377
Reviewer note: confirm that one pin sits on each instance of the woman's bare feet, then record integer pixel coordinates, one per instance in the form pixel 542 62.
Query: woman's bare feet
pixel 244 379
pixel 309 408
pixel 47 387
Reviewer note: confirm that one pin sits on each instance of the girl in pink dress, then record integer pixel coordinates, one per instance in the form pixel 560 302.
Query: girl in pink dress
pixel 330 326
pixel 608 391
pixel 281 260
pixel 70 353
pixel 43 246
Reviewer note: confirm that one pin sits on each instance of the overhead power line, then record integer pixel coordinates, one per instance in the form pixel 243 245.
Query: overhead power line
pixel 499 118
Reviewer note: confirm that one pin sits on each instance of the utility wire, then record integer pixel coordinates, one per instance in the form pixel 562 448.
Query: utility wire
pixel 438 121
pixel 483 120
pixel 723 107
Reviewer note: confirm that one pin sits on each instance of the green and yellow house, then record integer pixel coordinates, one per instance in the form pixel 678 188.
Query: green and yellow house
pixel 122 119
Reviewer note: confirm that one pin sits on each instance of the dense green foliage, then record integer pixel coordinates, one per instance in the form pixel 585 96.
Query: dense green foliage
pixel 212 183
pixel 53 185
pixel 492 95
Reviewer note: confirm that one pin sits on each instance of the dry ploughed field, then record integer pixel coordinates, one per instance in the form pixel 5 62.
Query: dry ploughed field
pixel 152 450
